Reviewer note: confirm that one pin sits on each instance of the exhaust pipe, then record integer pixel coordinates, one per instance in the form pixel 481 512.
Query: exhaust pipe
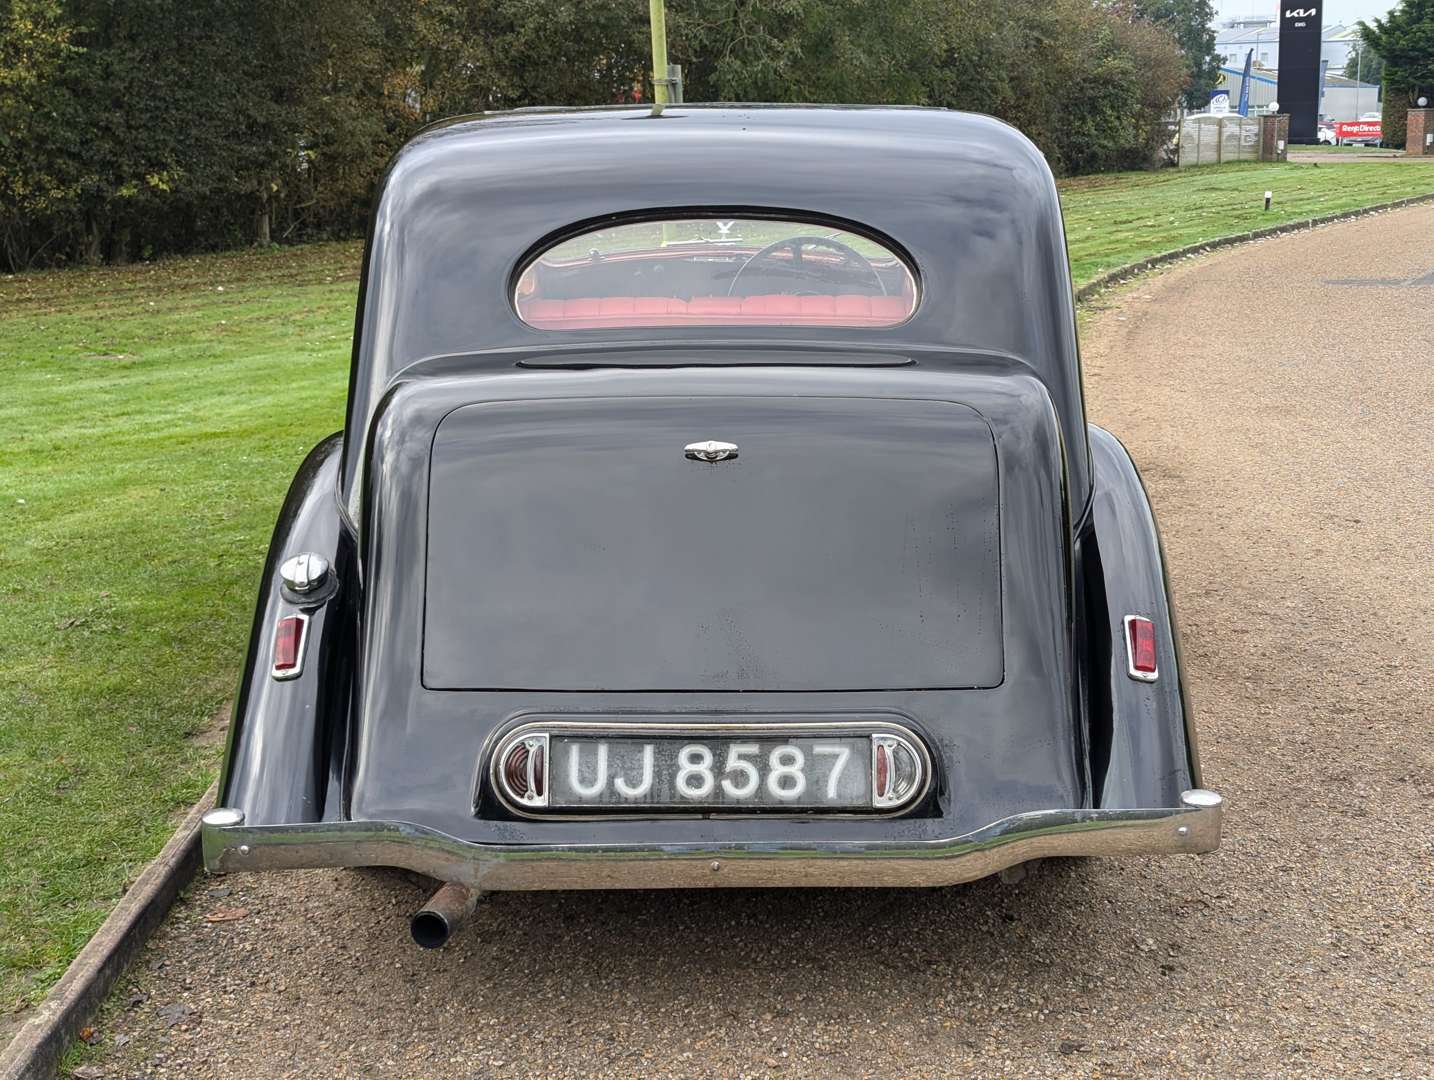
pixel 445 912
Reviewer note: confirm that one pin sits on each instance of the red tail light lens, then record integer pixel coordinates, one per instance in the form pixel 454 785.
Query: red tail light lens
pixel 515 770
pixel 289 636
pixel 897 772
pixel 1140 648
pixel 523 771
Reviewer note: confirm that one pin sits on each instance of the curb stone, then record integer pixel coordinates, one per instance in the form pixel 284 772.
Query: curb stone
pixel 36 1049
pixel 1121 273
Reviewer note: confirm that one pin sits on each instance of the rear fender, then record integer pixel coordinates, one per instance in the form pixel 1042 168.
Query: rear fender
pixel 1142 739
pixel 286 741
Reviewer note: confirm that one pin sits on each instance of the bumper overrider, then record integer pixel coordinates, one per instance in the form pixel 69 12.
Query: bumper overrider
pixel 1191 828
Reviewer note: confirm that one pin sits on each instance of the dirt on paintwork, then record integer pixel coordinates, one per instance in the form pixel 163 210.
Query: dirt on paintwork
pixel 1283 427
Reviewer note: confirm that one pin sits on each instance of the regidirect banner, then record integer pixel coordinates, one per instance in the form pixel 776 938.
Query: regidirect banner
pixel 1298 77
pixel 1359 129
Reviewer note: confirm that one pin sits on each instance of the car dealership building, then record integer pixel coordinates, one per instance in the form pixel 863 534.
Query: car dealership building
pixel 1340 98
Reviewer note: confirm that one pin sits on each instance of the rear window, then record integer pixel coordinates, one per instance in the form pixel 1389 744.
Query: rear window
pixel 716 271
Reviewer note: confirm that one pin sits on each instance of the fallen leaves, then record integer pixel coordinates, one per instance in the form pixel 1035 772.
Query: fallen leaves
pixel 225 914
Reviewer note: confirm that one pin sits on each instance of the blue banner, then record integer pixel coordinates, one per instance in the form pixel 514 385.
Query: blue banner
pixel 1244 109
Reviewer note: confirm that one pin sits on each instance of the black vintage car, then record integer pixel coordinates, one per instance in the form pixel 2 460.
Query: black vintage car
pixel 715 507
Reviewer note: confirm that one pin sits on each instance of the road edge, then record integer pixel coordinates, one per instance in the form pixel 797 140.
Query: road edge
pixel 35 1051
pixel 1120 274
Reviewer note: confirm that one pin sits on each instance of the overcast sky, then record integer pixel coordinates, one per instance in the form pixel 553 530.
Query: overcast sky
pixel 1335 11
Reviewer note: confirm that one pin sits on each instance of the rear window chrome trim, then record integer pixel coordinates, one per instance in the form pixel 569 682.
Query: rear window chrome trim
pixel 726 359
pixel 678 213
pixel 490 772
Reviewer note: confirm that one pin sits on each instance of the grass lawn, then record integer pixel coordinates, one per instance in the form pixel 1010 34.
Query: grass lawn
pixel 1116 219
pixel 153 416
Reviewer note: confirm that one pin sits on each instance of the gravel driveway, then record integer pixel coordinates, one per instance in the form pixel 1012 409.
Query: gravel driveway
pixel 1284 428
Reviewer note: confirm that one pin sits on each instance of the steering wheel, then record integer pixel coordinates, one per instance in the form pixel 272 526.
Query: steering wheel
pixel 849 257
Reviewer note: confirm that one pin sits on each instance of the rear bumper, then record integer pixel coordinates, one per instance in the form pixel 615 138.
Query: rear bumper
pixel 1191 828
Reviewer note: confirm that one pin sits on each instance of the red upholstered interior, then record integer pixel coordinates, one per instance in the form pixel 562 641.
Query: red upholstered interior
pixel 774 310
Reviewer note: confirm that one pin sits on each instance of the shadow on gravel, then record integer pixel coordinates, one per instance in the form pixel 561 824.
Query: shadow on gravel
pixel 272 975
pixel 859 947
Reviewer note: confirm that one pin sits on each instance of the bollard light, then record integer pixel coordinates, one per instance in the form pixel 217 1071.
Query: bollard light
pixel 1268 196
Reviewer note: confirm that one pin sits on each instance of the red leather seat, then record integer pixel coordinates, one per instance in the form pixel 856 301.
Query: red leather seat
pixel 772 310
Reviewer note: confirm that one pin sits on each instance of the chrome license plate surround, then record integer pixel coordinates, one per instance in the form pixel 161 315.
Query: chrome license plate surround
pixel 895 739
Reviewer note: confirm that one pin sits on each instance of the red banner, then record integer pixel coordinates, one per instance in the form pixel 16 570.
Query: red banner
pixel 1358 129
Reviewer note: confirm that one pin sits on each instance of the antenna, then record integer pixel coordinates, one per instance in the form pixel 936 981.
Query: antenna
pixel 661 76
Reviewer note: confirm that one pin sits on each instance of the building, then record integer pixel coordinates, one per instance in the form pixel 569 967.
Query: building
pixel 1237 36
pixel 1340 99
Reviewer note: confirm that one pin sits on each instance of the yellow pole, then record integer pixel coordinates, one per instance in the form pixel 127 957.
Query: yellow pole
pixel 657 13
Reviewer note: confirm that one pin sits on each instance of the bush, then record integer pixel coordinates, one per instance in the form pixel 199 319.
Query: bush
pixel 1093 87
pixel 1395 116
pixel 151 127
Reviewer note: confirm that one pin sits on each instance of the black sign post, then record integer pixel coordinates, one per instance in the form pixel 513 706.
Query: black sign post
pixel 1298 84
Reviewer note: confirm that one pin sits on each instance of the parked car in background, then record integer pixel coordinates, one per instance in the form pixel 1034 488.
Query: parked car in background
pixel 1326 134
pixel 716 507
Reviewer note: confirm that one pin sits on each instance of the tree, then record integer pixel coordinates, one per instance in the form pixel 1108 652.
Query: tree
pixel 36 40
pixel 1364 63
pixel 477 55
pixel 841 51
pixel 1189 23
pixel 146 127
pixel 1405 40
pixel 1091 85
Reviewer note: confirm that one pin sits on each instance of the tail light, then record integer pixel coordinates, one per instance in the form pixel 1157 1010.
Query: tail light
pixel 896 771
pixel 524 771
pixel 1140 648
pixel 291 635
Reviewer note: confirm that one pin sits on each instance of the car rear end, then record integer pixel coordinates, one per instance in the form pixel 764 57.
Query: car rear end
pixel 777 624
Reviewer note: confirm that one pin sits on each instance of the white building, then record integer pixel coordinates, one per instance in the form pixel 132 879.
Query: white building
pixel 1234 38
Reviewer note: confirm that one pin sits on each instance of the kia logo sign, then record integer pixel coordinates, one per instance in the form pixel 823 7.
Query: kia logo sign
pixel 1298 83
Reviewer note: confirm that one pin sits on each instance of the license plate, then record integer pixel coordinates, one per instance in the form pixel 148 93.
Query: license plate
pixel 797 774
pixel 703 771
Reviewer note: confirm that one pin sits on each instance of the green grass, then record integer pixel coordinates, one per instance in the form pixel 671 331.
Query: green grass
pixel 1118 219
pixel 152 419
pixel 152 422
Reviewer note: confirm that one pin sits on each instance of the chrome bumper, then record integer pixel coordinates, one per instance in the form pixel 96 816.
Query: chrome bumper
pixel 1190 828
